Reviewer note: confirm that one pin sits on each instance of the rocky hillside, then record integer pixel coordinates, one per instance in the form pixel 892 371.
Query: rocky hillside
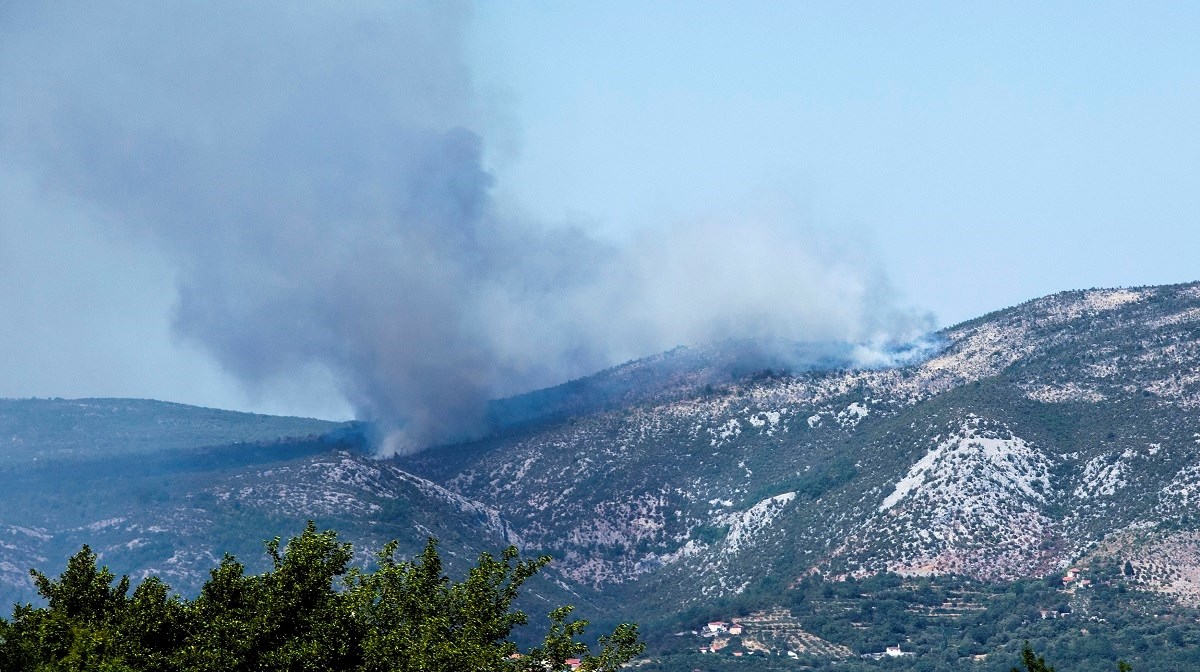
pixel 1036 435
pixel 1062 432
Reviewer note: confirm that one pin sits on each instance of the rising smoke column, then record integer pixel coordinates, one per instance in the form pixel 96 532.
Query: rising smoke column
pixel 314 173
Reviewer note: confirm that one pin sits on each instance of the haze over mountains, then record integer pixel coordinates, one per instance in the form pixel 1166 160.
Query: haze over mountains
pixel 326 213
pixel 1060 432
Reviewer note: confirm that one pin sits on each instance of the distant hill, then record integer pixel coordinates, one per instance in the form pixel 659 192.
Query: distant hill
pixel 58 429
pixel 165 488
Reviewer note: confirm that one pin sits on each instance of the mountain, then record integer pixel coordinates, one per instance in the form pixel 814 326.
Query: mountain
pixel 835 508
pixel 1035 433
pixel 1059 431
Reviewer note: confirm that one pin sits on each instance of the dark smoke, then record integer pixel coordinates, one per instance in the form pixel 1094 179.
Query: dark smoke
pixel 313 171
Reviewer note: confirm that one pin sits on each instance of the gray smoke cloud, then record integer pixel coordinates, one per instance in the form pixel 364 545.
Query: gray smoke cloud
pixel 315 173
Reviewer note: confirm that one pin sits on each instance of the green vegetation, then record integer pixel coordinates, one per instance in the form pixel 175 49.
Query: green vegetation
pixel 1035 663
pixel 948 623
pixel 824 478
pixel 309 611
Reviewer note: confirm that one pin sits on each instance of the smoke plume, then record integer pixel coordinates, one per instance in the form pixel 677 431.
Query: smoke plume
pixel 314 172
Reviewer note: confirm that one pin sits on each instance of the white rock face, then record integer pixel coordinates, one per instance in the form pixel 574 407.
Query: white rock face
pixel 1057 394
pixel 950 470
pixel 971 504
pixel 853 414
pixel 1102 476
pixel 744 525
pixel 1093 301
pixel 1183 492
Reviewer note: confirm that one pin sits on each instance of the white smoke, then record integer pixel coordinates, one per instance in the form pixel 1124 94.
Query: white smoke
pixel 312 171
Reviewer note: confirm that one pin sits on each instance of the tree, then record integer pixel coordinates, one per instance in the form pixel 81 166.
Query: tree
pixel 308 612
pixel 1036 663
pixel 1032 662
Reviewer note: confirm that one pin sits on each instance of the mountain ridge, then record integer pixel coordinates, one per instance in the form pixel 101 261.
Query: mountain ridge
pixel 1003 348
pixel 1060 433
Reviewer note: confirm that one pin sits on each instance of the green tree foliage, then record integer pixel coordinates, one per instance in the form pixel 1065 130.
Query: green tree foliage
pixel 308 612
pixel 1032 661
pixel 1035 663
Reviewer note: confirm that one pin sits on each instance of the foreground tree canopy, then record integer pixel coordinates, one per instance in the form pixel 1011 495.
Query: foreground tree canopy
pixel 1035 663
pixel 309 612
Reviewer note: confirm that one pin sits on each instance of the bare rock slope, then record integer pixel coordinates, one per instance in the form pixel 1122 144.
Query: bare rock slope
pixel 1032 436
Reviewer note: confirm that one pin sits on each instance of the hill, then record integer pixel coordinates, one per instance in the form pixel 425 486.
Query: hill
pixel 68 429
pixel 836 508
pixel 1043 435
pixel 167 489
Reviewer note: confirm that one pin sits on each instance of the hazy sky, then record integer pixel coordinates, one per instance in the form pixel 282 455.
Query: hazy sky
pixel 988 153
pixel 975 154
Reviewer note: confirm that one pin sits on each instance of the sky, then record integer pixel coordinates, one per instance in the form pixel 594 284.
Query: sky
pixel 988 153
pixel 951 158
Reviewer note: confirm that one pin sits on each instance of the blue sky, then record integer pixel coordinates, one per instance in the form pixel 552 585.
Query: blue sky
pixel 969 155
pixel 986 153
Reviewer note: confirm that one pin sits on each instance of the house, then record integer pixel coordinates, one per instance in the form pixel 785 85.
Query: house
pixel 735 628
pixel 573 663
pixel 714 628
pixel 705 649
pixel 739 653
pixel 890 652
